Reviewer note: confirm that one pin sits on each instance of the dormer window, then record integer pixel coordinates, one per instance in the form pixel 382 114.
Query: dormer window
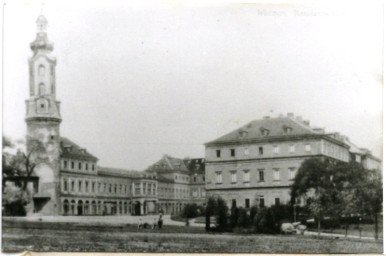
pixel 264 131
pixel 287 130
pixel 243 133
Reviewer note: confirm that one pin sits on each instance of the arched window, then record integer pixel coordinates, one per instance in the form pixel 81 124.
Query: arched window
pixel 42 70
pixel 42 89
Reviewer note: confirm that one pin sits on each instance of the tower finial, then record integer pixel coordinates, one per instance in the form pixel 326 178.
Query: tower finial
pixel 41 23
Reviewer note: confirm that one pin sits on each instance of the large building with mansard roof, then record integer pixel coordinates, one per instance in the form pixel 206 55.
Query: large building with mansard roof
pixel 257 163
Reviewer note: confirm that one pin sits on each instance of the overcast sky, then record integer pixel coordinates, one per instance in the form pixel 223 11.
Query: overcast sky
pixel 139 81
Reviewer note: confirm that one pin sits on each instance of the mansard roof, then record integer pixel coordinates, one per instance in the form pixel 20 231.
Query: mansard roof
pixel 71 150
pixel 168 163
pixel 267 128
pixel 108 171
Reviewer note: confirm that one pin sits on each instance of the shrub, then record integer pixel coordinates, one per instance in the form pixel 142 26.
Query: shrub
pixel 190 211
pixel 243 218
pixel 233 218
pixel 222 214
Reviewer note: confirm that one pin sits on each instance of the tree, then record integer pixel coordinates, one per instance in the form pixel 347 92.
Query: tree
pixel 19 168
pixel 314 181
pixel 370 193
pixel 209 211
pixel 190 211
pixel 216 207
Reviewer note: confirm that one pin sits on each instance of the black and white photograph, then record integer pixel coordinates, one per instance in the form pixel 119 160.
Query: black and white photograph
pixel 171 127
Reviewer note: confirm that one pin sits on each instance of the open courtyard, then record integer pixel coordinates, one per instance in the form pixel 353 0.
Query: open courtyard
pixel 107 234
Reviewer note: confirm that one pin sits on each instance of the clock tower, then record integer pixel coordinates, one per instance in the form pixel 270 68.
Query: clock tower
pixel 43 120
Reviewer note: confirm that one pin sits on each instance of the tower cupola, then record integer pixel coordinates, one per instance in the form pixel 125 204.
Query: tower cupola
pixel 41 41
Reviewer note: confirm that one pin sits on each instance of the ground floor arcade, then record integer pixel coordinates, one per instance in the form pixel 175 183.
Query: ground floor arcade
pixel 85 206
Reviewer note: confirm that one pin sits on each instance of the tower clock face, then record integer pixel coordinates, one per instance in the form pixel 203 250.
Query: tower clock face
pixel 42 106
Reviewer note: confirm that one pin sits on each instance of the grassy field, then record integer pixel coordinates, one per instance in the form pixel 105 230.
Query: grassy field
pixel 67 237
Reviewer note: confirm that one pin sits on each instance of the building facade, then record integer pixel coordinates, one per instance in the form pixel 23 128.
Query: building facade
pixel 257 163
pixel 180 182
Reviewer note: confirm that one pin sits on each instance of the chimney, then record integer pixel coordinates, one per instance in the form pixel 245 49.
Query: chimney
pixel 290 115
pixel 306 122
pixel 299 119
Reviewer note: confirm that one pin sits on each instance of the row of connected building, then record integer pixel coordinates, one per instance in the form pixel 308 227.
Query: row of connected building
pixel 253 165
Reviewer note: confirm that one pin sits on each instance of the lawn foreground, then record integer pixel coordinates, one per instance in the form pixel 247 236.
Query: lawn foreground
pixel 71 237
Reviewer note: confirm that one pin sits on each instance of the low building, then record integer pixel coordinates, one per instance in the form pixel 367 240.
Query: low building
pixel 88 189
pixel 180 182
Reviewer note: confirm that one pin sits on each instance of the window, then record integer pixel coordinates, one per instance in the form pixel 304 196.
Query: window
pixel 65 185
pixel 234 204
pixel 203 178
pixel 143 189
pixel 247 176
pixel 86 187
pixel 218 177
pixel 137 188
pixel 99 187
pixel 291 173
pixel 276 174
pixel 247 203
pixel 292 148
pixel 110 188
pixel 72 185
pixel 218 153
pixel 86 166
pixel 358 158
pixel 194 179
pixel 261 202
pixel 276 149
pixel 308 147
pixel 65 164
pixel 42 89
pixel 105 187
pixel 261 175
pixel 264 131
pixel 149 189
pixel 80 186
pixel 261 151
pixel 233 177
pixel 277 201
pixel 80 166
pixel 72 165
pixel 92 167
pixel 246 151
pixel 233 152
pixel 42 70
pixel 287 130
pixel 115 188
